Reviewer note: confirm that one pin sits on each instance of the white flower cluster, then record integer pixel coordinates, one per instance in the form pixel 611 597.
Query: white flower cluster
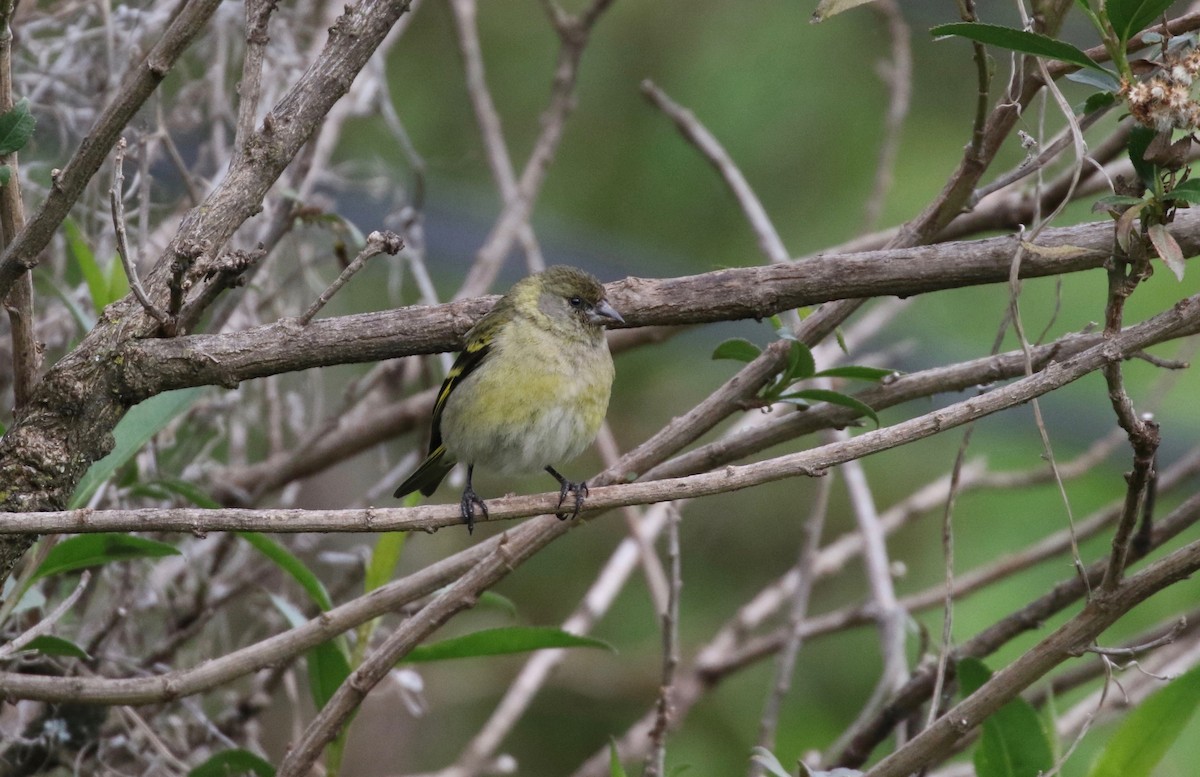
pixel 1165 102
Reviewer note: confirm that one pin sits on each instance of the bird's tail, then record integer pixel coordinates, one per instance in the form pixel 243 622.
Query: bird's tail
pixel 429 474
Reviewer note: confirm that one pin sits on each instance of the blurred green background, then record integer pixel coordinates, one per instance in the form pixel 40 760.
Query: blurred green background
pixel 800 108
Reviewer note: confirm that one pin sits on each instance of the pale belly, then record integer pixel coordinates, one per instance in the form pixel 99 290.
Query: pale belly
pixel 525 427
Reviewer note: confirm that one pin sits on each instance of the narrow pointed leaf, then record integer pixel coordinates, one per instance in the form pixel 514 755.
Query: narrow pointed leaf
pixel 1139 140
pixel 384 558
pixel 1013 743
pixel 1103 80
pixel 16 127
pixel 93 550
pixel 834 398
pixel 139 425
pixel 1188 191
pixel 737 349
pixel 502 641
pixel 328 665
pixel 82 253
pixel 1148 732
pixel 801 364
pixel 285 560
pixel 1128 17
pixel 614 761
pixel 1018 40
pixel 233 763
pixel 855 371
pixel 50 645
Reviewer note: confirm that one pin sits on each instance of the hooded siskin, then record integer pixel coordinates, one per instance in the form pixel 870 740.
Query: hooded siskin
pixel 530 389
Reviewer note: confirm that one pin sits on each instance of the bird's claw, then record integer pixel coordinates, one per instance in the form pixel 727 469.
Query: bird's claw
pixel 579 489
pixel 467 507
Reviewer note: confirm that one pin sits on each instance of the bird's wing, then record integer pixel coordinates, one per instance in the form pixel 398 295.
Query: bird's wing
pixel 471 357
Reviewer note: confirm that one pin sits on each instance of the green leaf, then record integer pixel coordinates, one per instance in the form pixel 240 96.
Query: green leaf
pixel 328 664
pixel 1103 80
pixel 118 283
pixel 1144 737
pixel 283 558
pixel 614 761
pixel 81 252
pixel 140 424
pixel 233 763
pixel 834 398
pixel 93 550
pixel 50 645
pixel 498 602
pixel 502 641
pixel 16 127
pixel 738 349
pixel 1097 100
pixel 858 372
pixel 1114 201
pixel 800 364
pixel 189 491
pixel 1188 191
pixel 1018 40
pixel 5 175
pixel 1139 141
pixel 384 558
pixel 1013 743
pixel 47 285
pixel 1128 17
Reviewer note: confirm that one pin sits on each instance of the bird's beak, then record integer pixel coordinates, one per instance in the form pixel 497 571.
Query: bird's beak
pixel 604 313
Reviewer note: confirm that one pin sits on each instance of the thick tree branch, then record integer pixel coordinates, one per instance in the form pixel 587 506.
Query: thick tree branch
pixel 150 366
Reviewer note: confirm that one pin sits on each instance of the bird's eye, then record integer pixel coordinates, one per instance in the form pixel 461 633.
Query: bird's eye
pixel 576 301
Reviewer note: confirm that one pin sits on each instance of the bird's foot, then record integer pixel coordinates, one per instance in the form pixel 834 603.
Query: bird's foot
pixel 580 490
pixel 467 506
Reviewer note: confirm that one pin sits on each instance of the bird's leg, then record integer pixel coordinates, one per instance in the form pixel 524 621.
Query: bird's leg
pixel 580 490
pixel 469 499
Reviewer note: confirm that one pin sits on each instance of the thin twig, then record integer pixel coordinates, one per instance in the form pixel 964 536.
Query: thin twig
pixel 785 665
pixel 698 135
pixel 656 759
pixel 377 243
pixel 258 15
pixel 1141 647
pixel 573 33
pixel 44 625
pixel 26 356
pixel 488 118
pixel 116 203
pixel 897 77
pixel 890 616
